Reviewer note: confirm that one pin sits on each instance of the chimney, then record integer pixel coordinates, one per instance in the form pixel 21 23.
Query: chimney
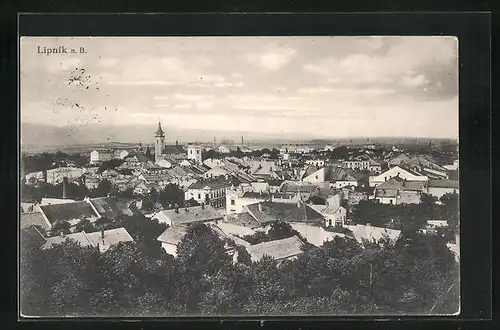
pixel 368 224
pixel 62 233
pixel 176 142
pixel 65 187
pixel 202 206
pixel 260 208
pixel 102 233
pixel 176 209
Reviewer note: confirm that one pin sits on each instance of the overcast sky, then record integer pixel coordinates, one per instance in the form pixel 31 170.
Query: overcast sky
pixel 325 86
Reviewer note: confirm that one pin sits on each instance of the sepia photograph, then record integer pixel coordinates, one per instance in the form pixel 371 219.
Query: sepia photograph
pixel 239 176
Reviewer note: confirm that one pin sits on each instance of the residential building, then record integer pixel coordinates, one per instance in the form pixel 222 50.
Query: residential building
pixel 194 153
pixel 357 164
pixel 111 207
pixel 438 188
pixel 267 212
pixel 102 240
pixel 397 190
pixel 210 192
pixel 172 237
pixel 55 176
pixel 215 172
pixel 343 177
pixel 283 249
pixel 315 234
pixel 377 166
pixel 187 215
pixel 99 156
pixel 401 171
pixel 316 162
pixel 329 147
pixel 372 233
pixel 398 160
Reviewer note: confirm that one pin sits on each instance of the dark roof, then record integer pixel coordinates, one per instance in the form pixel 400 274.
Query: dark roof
pixel 289 212
pixel 341 174
pixel 31 234
pixel 310 170
pixel 212 184
pixel 243 219
pixel 173 149
pixel 252 194
pixel 33 219
pixel 444 184
pixel 68 211
pixel 111 207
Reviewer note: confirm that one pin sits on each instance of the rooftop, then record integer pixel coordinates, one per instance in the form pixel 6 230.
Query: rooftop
pixel 452 184
pixel 193 214
pixel 111 237
pixel 211 184
pixel 278 249
pixel 243 219
pixel 289 212
pixel 33 219
pixel 111 207
pixel 173 235
pixel 69 211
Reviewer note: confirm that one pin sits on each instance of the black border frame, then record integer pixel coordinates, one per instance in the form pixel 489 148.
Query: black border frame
pixel 474 33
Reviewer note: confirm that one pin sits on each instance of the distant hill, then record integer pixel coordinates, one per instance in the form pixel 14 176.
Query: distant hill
pixel 38 137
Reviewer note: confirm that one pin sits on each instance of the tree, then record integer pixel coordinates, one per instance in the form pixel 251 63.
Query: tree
pixel 61 227
pixel 84 225
pixel 243 255
pixel 103 188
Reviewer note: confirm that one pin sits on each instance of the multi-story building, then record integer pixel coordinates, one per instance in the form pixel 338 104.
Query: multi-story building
pixel 209 192
pixel 194 152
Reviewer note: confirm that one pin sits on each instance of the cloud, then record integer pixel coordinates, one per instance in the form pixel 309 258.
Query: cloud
pixel 399 66
pixel 414 81
pixel 192 97
pixel 204 104
pixel 273 60
pixel 182 106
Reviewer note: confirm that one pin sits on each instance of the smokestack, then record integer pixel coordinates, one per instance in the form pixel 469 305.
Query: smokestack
pixel 65 187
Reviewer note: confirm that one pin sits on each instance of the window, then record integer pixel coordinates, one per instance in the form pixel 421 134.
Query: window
pixel 330 222
pixel 316 177
pixel 191 152
pixel 199 196
pixel 391 201
pixel 232 202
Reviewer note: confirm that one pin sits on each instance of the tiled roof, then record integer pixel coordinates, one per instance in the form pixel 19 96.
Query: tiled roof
pixel 193 214
pixel 399 183
pixel 69 211
pixel 272 211
pixel 340 174
pixel 252 194
pixel 452 184
pixel 399 159
pixel 111 237
pixel 174 149
pixel 243 219
pixel 212 184
pixel 33 219
pixel 173 235
pixel 310 170
pixel 111 207
pixel 278 249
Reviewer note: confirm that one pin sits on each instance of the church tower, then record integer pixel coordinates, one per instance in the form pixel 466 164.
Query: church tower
pixel 159 142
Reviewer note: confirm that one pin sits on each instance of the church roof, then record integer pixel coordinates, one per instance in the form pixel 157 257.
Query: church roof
pixel 159 131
